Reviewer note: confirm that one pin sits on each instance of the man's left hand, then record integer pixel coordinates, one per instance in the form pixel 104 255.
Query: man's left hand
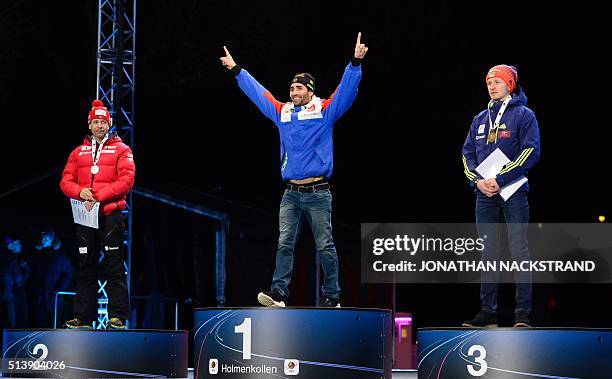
pixel 360 48
pixel 227 61
pixel 492 185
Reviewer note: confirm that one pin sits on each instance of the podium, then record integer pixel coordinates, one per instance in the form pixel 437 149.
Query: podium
pixel 562 353
pixel 94 353
pixel 284 342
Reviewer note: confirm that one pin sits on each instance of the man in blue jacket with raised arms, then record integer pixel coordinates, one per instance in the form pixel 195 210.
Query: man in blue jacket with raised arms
pixel 305 125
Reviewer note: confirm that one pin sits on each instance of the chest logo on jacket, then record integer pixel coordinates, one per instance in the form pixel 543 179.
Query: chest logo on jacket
pixel 309 111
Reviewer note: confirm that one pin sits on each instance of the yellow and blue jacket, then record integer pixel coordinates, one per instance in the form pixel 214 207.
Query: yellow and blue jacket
pixel 517 136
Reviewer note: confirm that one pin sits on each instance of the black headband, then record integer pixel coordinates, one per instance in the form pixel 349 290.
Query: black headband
pixel 306 79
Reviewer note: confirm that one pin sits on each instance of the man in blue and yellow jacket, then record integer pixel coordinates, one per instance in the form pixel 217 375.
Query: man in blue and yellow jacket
pixel 305 125
pixel 509 125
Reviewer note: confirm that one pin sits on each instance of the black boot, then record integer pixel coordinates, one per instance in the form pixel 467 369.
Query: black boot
pixel 521 320
pixel 329 302
pixel 482 320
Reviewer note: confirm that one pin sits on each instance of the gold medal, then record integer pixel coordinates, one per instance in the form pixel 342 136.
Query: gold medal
pixel 493 127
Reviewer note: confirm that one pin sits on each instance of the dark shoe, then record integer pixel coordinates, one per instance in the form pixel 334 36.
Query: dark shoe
pixel 482 320
pixel 115 323
pixel 329 302
pixel 521 320
pixel 76 323
pixel 271 299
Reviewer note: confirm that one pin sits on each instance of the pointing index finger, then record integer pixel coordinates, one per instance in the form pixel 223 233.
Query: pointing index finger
pixel 226 51
pixel 359 38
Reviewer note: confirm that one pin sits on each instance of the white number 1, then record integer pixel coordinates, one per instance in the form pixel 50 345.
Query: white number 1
pixel 480 360
pixel 245 329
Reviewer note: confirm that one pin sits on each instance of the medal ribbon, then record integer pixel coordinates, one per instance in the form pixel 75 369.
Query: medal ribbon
pixel 493 126
pixel 95 153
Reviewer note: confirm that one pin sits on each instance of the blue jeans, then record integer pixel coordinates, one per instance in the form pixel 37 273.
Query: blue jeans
pixel 316 208
pixel 491 212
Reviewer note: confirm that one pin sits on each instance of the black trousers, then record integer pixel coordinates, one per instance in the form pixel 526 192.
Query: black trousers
pixel 108 238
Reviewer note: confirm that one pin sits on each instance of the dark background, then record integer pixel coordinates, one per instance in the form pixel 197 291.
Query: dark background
pixel 397 151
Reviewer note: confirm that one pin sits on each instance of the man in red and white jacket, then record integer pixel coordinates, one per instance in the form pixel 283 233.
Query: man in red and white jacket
pixel 100 170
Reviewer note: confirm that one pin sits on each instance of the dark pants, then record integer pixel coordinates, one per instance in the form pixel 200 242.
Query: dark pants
pixel 315 207
pixel 109 239
pixel 491 212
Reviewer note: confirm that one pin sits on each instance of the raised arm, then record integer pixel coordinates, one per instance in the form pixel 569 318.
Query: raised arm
pixel 342 98
pixel 227 61
pixel 258 94
pixel 360 49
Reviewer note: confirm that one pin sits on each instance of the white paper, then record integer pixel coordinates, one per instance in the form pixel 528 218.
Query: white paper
pixel 82 216
pixel 492 165
pixel 511 188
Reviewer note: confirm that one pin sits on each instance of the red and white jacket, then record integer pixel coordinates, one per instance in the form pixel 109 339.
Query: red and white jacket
pixel 111 184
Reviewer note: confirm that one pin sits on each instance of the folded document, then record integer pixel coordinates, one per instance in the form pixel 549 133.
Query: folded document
pixel 492 165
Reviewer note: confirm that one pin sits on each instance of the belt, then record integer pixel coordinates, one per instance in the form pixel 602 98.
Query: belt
pixel 307 189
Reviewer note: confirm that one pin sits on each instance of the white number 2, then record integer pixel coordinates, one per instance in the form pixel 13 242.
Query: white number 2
pixel 245 329
pixel 480 360
pixel 43 355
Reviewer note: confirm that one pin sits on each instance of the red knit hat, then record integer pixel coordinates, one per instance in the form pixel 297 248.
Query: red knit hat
pixel 506 73
pixel 98 110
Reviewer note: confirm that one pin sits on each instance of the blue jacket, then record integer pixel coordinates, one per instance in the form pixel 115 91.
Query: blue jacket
pixel 305 132
pixel 518 136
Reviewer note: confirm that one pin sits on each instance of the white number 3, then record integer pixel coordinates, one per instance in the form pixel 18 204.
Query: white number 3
pixel 480 360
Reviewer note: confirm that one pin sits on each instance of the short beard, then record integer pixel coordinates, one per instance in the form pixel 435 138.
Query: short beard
pixel 303 102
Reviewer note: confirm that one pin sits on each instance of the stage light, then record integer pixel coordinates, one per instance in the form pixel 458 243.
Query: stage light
pixel 401 321
pixel 602 218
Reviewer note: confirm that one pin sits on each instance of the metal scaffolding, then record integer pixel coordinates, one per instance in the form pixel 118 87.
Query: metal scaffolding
pixel 222 230
pixel 115 86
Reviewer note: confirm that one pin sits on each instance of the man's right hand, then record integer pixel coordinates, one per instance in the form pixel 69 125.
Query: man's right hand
pixel 89 205
pixel 227 61
pixel 360 48
pixel 487 190
pixel 86 194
